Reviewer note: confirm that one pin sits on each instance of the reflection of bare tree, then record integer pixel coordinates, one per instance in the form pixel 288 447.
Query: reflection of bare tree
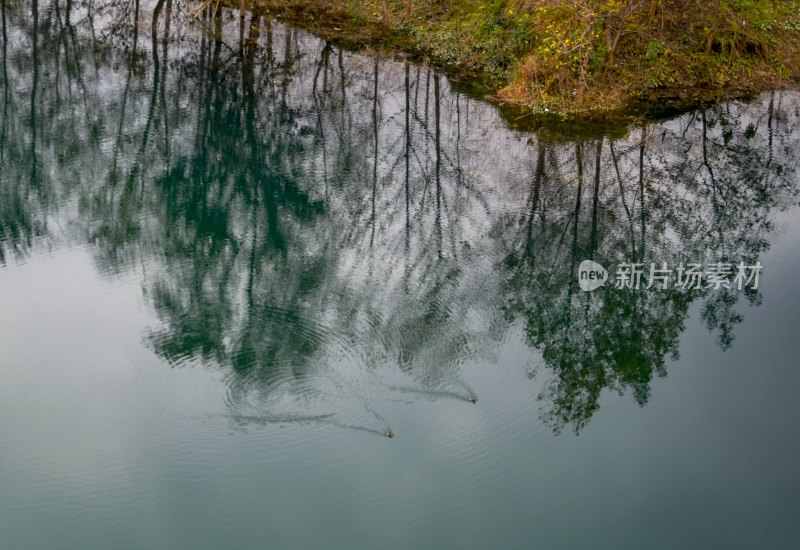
pixel 295 212
pixel 697 200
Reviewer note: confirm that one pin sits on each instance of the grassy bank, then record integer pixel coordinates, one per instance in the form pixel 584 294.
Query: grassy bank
pixel 577 57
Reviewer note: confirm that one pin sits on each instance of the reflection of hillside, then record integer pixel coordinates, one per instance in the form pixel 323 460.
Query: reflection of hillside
pixel 290 207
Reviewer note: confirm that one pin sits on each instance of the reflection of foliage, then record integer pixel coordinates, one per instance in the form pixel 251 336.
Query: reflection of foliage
pixel 287 205
pixel 713 205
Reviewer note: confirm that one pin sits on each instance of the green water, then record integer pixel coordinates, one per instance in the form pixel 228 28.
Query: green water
pixel 232 257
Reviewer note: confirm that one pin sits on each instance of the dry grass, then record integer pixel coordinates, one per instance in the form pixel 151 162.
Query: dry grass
pixel 576 56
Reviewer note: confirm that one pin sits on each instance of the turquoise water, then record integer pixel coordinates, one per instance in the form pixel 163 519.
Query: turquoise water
pixel 233 257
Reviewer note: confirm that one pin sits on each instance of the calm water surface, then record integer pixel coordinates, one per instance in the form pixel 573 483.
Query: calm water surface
pixel 233 256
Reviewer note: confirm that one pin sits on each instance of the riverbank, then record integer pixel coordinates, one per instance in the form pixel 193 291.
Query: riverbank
pixel 576 60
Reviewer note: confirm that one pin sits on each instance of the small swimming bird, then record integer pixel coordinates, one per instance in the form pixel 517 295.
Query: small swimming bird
pixel 472 399
pixel 390 434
